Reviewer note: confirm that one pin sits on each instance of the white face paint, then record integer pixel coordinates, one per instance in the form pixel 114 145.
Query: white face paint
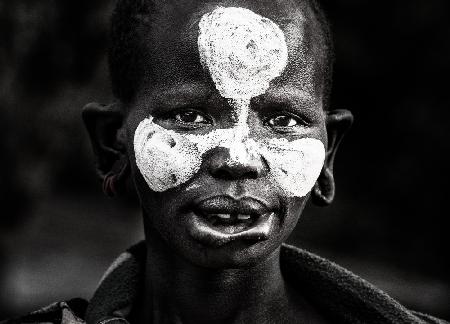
pixel 243 52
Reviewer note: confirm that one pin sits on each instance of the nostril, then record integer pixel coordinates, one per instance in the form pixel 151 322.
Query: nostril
pixel 228 172
pixel 252 174
pixel 224 167
pixel 222 174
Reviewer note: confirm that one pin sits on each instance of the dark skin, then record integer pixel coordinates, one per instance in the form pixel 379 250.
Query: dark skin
pixel 193 281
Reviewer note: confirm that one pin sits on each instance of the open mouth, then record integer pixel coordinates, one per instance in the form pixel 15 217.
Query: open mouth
pixel 223 219
pixel 231 223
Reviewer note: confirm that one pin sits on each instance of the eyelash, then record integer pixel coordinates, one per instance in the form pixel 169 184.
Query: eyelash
pixel 174 116
pixel 300 122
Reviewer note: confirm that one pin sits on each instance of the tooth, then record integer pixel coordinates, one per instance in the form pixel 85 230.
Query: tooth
pixel 243 217
pixel 224 216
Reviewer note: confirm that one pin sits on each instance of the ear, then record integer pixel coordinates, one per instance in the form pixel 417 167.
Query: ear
pixel 337 122
pixel 104 125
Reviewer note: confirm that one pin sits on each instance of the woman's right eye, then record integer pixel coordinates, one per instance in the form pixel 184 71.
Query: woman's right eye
pixel 283 121
pixel 191 117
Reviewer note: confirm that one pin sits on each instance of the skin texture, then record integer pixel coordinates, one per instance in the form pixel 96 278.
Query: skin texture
pixel 189 279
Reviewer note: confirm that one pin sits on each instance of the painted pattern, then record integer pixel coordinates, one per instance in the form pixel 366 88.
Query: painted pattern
pixel 243 53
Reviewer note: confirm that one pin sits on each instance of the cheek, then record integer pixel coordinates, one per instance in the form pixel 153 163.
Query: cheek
pixel 167 159
pixel 164 158
pixel 296 165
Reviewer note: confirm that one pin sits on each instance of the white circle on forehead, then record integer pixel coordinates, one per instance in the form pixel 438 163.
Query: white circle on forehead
pixel 242 50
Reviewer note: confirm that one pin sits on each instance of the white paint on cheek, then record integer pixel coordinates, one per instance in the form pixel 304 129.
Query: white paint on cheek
pixel 294 165
pixel 166 159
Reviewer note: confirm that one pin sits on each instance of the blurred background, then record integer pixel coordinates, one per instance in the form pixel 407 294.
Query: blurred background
pixel 388 223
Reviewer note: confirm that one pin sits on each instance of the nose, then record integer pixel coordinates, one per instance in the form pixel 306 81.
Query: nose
pixel 226 164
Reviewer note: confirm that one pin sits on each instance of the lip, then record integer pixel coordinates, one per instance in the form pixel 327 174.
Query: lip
pixel 218 220
pixel 229 205
pixel 204 233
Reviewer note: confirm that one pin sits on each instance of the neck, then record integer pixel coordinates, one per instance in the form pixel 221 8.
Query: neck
pixel 178 291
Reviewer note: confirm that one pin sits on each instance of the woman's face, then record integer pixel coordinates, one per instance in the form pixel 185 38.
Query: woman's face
pixel 228 139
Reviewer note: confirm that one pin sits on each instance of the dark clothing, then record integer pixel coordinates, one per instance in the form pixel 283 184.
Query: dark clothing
pixel 340 296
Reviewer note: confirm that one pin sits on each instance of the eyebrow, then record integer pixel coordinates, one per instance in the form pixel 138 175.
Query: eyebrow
pixel 293 99
pixel 290 94
pixel 181 94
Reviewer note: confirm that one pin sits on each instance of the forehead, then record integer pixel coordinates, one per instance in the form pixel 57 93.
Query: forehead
pixel 172 43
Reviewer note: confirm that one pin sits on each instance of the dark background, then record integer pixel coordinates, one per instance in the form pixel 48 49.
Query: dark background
pixel 388 223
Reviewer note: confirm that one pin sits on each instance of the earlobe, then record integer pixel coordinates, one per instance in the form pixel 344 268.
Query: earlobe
pixel 338 122
pixel 104 126
pixel 324 189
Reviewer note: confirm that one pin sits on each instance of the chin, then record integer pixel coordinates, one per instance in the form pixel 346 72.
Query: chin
pixel 236 251
pixel 232 255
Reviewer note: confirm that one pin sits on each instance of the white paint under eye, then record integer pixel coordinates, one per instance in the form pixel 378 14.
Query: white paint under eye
pixel 294 165
pixel 164 158
pixel 167 159
pixel 243 52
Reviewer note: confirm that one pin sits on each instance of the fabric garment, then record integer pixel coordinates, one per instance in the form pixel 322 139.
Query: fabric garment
pixel 339 294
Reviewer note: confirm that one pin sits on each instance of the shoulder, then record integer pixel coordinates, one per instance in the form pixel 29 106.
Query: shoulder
pixel 71 311
pixel 335 291
pixel 342 295
pixel 429 319
pixel 115 293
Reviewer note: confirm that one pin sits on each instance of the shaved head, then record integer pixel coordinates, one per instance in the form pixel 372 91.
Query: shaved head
pixel 148 35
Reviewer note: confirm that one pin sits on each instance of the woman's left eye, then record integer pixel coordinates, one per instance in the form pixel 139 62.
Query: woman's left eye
pixel 191 117
pixel 283 121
